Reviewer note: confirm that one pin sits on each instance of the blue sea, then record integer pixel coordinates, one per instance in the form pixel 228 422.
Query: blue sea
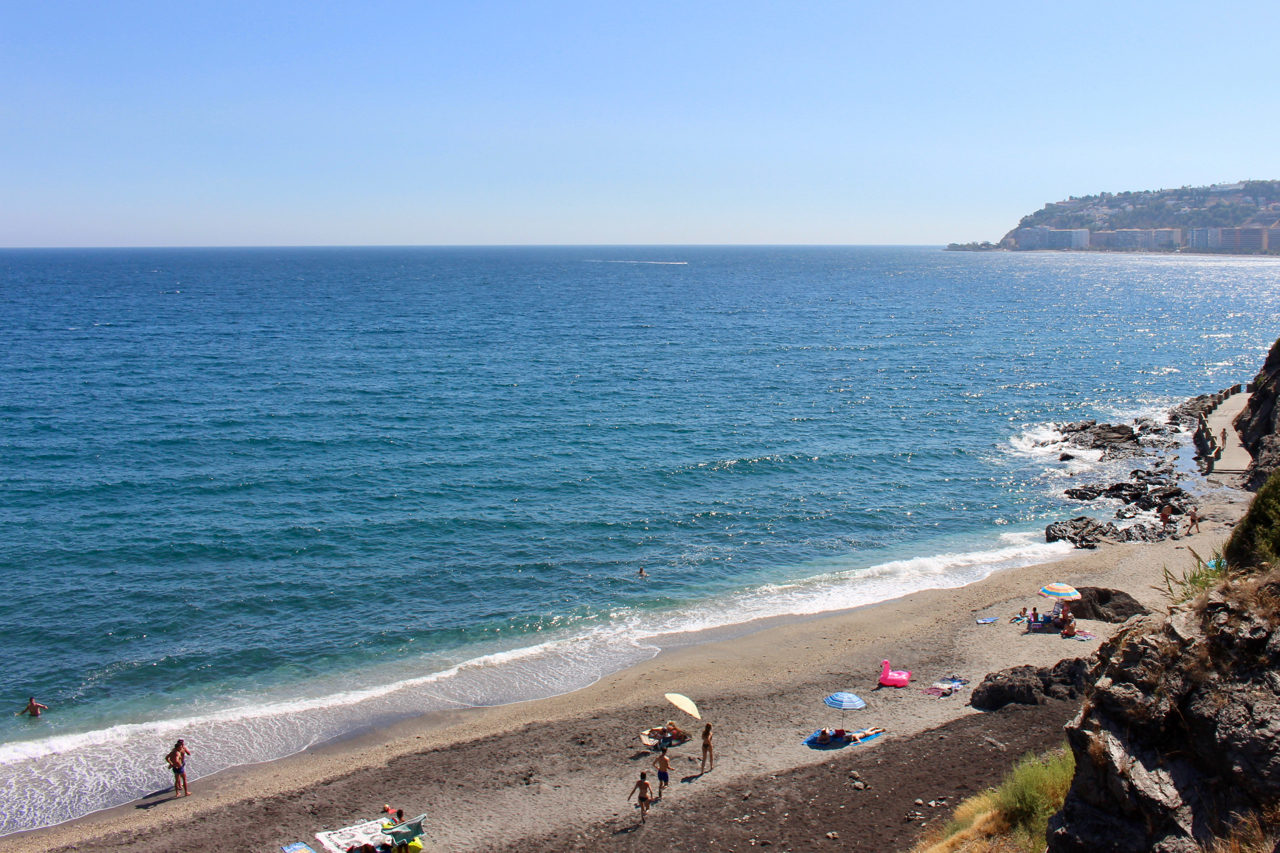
pixel 261 498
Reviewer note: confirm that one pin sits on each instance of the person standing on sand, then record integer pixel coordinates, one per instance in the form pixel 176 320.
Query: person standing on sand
pixel 663 765
pixel 646 793
pixel 177 761
pixel 1166 515
pixel 1193 520
pixel 707 750
pixel 33 708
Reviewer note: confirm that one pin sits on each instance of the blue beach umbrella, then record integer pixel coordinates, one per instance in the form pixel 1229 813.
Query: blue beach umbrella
pixel 844 702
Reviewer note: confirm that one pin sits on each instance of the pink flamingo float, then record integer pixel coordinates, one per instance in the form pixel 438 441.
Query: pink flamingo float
pixel 894 678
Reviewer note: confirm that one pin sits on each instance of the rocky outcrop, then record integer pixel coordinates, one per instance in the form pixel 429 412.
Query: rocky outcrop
pixel 1178 735
pixel 1106 605
pixel 1116 441
pixel 1257 423
pixel 1026 685
pixel 1085 532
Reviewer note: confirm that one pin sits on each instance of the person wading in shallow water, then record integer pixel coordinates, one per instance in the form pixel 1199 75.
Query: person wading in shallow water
pixel 33 708
pixel 177 761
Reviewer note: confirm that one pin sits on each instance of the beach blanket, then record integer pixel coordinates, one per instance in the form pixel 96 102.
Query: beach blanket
pixel 1083 636
pixel 837 743
pixel 990 620
pixel 945 686
pixel 369 832
pixel 297 847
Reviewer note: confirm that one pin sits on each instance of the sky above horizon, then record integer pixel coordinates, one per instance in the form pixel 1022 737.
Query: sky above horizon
pixel 336 123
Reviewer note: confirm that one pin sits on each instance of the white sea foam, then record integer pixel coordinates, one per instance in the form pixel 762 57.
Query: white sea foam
pixel 43 782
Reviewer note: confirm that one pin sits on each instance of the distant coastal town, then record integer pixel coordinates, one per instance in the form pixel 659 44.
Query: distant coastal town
pixel 1240 218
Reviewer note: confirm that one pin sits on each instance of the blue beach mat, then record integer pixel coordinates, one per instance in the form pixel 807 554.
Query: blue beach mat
pixel 990 620
pixel 812 741
pixel 297 847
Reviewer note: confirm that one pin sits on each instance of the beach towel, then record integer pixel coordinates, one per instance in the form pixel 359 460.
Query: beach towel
pixel 1083 636
pixel 297 847
pixel 369 832
pixel 945 686
pixel 812 740
pixel 990 620
pixel 1018 620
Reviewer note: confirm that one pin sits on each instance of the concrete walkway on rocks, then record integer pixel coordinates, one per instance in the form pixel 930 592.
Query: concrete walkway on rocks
pixel 1235 458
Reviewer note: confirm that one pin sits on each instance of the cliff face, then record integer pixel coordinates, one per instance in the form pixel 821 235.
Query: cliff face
pixel 1179 737
pixel 1257 423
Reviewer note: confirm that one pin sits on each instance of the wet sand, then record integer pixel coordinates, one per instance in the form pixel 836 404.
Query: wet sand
pixel 513 777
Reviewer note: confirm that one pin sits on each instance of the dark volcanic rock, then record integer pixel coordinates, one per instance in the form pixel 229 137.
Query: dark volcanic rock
pixel 1116 441
pixel 1086 532
pixel 1256 424
pixel 1106 605
pixel 1178 734
pixel 1027 685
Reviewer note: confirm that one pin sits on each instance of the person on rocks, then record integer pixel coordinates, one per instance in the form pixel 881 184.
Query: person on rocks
pixel 1166 515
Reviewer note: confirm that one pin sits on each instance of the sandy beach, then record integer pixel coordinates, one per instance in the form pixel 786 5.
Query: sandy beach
pixel 490 777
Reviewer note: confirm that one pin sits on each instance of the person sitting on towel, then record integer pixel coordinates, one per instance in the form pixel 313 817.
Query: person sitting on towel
pixel 674 731
pixel 824 736
pixel 1068 624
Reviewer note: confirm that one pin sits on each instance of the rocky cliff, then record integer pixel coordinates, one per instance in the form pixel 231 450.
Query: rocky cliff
pixel 1177 741
pixel 1257 423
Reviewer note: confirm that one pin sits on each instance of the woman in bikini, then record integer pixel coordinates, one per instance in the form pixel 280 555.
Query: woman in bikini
pixel 708 752
pixel 646 794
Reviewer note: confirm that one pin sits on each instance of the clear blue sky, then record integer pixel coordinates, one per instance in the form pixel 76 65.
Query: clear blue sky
pixel 337 123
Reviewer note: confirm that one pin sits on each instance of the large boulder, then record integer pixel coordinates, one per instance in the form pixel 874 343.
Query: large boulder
pixel 1027 685
pixel 1106 605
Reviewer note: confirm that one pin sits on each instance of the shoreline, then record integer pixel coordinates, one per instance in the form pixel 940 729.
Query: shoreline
pixel 491 776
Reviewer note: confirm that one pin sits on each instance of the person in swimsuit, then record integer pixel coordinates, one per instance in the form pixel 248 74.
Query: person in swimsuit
pixel 1193 520
pixel 33 708
pixel 177 761
pixel 663 765
pixel 646 794
pixel 707 751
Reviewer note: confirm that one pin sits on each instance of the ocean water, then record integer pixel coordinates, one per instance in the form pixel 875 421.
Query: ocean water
pixel 261 498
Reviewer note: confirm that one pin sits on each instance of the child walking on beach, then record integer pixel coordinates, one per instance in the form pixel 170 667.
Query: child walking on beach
pixel 646 794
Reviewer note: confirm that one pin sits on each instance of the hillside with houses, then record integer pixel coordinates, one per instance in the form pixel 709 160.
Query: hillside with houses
pixel 1239 218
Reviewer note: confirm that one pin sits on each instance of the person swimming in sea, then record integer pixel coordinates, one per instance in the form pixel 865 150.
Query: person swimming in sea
pixel 33 708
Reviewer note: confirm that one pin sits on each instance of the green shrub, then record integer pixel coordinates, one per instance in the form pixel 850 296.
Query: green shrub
pixel 1033 792
pixel 1255 542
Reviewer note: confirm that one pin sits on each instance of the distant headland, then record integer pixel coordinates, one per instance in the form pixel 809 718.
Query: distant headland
pixel 1238 219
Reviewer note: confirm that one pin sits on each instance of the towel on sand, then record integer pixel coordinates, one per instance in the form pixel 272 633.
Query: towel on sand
pixel 990 620
pixel 836 743
pixel 369 832
pixel 297 847
pixel 945 686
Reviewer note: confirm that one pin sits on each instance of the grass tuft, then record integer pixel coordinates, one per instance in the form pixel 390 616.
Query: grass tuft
pixel 1013 817
pixel 1205 575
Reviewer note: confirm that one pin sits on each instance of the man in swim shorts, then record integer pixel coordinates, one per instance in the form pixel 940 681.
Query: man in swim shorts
pixel 177 761
pixel 663 765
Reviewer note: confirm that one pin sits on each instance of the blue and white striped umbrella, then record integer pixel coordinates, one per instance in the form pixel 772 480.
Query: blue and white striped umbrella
pixel 845 702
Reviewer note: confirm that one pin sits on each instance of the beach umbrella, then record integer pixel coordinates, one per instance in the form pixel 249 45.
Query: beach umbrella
pixel 684 703
pixel 1060 592
pixel 844 702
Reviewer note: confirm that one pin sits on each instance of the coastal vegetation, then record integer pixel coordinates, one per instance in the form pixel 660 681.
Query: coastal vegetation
pixel 1012 818
pixel 1227 206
